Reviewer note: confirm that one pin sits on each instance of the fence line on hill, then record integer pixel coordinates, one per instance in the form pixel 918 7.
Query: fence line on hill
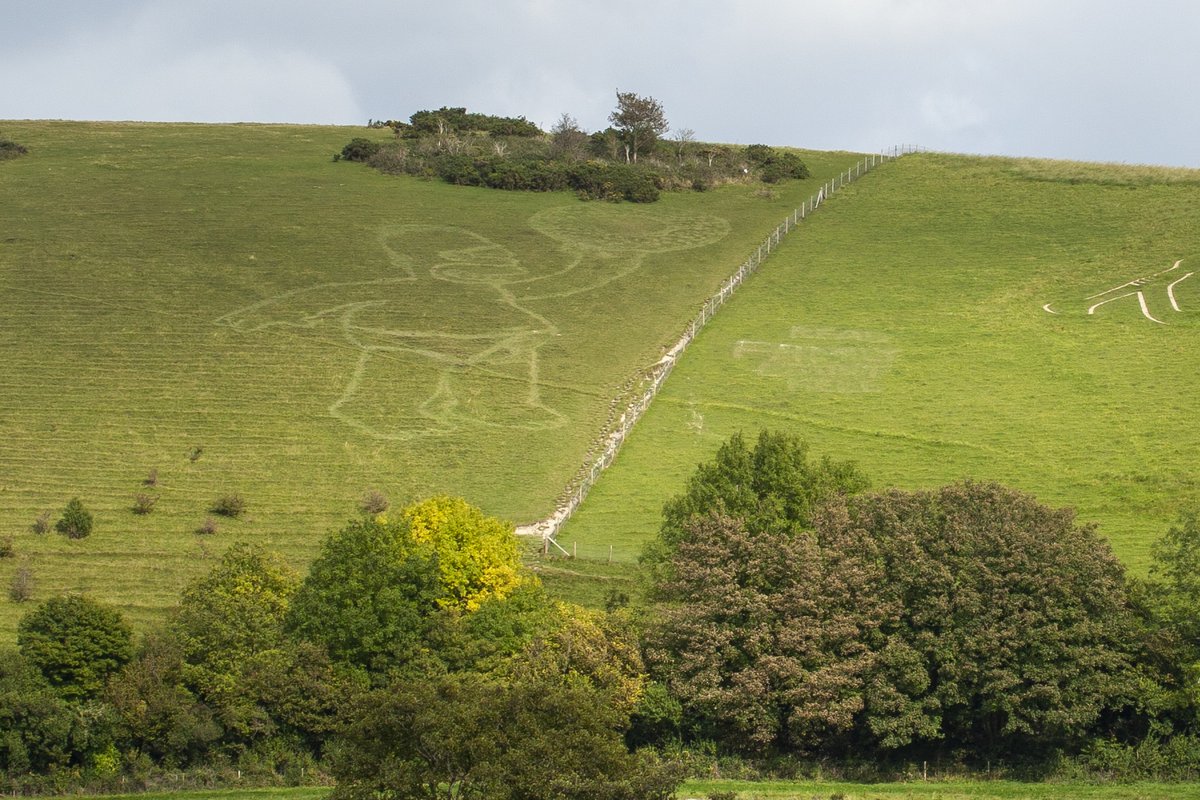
pixel 615 433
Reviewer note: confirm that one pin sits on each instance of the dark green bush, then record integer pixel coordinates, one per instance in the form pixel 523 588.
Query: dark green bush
pixel 459 170
pixel 457 120
pixel 598 180
pixel 775 165
pixel 229 505
pixel 76 521
pixel 76 643
pixel 759 154
pixel 360 149
pixel 10 149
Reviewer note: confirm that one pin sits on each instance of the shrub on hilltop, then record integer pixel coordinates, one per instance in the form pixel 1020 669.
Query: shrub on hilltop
pixel 469 149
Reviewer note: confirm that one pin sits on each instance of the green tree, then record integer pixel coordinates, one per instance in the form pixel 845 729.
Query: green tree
pixel 76 521
pixel 1009 627
pixel 76 643
pixel 970 614
pixel 36 723
pixel 472 736
pixel 226 619
pixel 369 596
pixel 770 485
pixel 477 556
pixel 1175 578
pixel 157 714
pixel 759 634
pixel 1171 599
pixel 639 122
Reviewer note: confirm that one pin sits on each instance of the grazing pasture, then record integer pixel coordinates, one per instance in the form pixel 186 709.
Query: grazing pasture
pixel 1035 323
pixel 197 319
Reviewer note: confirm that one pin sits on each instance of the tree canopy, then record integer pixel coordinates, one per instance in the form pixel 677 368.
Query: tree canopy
pixel 970 615
pixel 476 555
pixel 76 643
pixel 373 592
pixel 472 736
pixel 368 596
pixel 639 121
pixel 770 485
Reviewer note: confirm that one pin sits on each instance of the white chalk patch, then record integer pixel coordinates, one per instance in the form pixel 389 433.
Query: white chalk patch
pixel 1171 291
pixel 1092 310
pixel 1146 311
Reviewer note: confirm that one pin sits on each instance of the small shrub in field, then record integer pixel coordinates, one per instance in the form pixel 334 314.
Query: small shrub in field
pixel 76 521
pixel 21 588
pixel 7 550
pixel 229 505
pixel 208 527
pixel 392 160
pixel 143 503
pixel 360 149
pixel 194 455
pixel 42 523
pixel 373 502
pixel 151 478
pixel 10 149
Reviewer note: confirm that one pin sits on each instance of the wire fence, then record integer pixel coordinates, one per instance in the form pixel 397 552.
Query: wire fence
pixel 642 391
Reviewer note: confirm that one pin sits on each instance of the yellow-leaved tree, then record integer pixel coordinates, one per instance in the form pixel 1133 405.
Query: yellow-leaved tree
pixel 477 555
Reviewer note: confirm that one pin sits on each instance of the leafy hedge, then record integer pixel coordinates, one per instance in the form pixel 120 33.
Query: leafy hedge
pixel 593 180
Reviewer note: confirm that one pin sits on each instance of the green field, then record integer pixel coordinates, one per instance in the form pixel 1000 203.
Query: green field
pixel 227 306
pixel 904 326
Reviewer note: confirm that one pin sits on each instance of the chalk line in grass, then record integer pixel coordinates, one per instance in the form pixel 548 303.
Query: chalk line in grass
pixel 1145 310
pixel 1171 291
pixel 1138 286
pixel 452 317
pixel 1092 310
pixel 1137 281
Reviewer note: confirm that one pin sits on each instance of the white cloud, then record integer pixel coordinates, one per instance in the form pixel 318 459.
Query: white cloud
pixel 1074 78
pixel 145 69
pixel 946 112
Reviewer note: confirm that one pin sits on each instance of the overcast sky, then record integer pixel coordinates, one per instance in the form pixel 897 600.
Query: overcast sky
pixel 1101 80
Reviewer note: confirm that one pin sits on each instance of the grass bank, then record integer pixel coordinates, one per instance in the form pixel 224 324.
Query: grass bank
pixel 932 323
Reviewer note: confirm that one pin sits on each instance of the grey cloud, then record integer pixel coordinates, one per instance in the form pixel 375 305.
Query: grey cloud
pixel 1092 80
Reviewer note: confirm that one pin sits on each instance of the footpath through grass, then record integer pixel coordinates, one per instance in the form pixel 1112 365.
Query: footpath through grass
pixel 931 322
pixel 227 307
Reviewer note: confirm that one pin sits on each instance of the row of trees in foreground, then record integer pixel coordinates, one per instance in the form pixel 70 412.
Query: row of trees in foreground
pixel 790 618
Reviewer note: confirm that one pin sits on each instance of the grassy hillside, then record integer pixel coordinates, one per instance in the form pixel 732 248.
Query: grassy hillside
pixel 226 306
pixel 906 326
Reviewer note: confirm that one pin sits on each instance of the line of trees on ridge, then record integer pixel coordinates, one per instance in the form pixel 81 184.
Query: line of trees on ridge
pixel 632 159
